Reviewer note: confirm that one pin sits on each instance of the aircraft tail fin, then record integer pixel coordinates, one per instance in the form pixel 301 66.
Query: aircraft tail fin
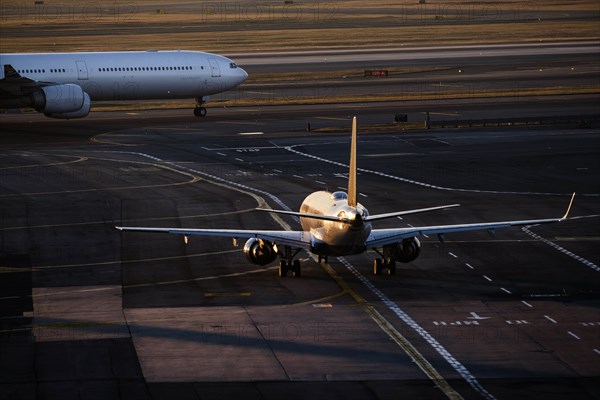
pixel 10 72
pixel 352 172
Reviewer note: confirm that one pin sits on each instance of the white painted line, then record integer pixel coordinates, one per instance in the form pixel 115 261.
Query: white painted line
pixel 278 171
pixel 597 351
pixel 251 133
pixel 407 319
pixel 526 303
pixel 452 254
pixel 487 278
pixel 469 265
pixel 239 159
pixel 320 183
pixel 550 319
pixel 562 249
pixel 506 290
pixel 574 335
pixel 362 194
pixel 298 176
pixel 222 154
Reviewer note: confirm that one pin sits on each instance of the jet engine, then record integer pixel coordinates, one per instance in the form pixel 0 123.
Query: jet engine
pixel 407 250
pixel 62 101
pixel 261 252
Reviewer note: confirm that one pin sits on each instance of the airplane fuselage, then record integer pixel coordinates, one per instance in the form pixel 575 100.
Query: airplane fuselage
pixel 331 238
pixel 143 75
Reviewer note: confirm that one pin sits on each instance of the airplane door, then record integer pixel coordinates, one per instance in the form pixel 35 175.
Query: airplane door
pixel 82 72
pixel 214 67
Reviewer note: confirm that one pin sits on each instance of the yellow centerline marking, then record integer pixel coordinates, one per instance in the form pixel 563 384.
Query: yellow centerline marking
pixel 227 294
pixel 392 332
pixel 127 220
pixel 79 159
pixel 194 179
pixel 333 118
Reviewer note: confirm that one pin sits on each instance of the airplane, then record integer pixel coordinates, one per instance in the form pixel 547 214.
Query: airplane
pixel 62 85
pixel 335 224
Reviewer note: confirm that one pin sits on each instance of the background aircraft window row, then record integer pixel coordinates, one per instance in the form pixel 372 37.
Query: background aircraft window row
pixel 186 68
pixel 32 71
pixel 41 71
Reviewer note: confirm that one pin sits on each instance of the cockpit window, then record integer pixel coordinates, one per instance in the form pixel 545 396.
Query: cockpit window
pixel 232 65
pixel 339 196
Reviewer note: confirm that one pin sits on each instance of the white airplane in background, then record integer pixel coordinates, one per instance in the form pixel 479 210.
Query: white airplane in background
pixel 61 85
pixel 334 224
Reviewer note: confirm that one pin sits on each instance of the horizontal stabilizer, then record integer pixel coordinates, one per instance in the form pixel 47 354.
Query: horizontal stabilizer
pixel 306 215
pixel 407 212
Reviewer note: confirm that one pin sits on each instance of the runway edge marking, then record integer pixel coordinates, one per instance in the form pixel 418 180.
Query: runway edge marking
pixel 392 332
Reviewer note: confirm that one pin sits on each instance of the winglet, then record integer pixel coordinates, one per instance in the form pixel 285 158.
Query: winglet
pixel 352 172
pixel 568 208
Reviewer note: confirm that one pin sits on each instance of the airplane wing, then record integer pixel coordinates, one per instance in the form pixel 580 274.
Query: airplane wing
pixel 287 238
pixel 381 237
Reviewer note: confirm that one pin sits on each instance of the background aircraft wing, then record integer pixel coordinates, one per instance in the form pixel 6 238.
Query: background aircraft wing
pixel 290 238
pixel 381 237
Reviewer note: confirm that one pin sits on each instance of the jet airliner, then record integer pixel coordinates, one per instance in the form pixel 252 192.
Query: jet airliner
pixel 335 224
pixel 62 85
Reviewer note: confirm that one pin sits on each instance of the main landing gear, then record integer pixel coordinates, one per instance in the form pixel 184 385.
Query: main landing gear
pixel 287 263
pixel 200 111
pixel 384 264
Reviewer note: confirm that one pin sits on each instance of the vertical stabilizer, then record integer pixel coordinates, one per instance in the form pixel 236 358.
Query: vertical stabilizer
pixel 352 172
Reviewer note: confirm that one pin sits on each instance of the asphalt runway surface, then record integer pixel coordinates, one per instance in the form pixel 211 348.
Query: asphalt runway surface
pixel 93 313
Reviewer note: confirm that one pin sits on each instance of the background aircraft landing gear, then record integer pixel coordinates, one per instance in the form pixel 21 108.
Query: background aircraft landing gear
pixel 200 111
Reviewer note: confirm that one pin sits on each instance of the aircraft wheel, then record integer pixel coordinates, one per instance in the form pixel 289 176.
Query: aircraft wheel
pixel 296 270
pixel 283 268
pixel 377 266
pixel 391 266
pixel 200 112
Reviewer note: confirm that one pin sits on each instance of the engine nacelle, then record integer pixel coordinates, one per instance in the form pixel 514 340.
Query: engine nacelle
pixel 82 112
pixel 261 252
pixel 66 98
pixel 407 250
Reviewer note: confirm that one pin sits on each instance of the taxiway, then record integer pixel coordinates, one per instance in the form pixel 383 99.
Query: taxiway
pixel 88 311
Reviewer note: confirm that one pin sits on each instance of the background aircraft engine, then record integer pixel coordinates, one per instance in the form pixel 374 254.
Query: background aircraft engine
pixel 261 252
pixel 82 112
pixel 61 101
pixel 407 250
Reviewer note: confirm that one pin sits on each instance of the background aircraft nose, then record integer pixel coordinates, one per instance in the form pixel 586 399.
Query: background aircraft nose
pixel 243 75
